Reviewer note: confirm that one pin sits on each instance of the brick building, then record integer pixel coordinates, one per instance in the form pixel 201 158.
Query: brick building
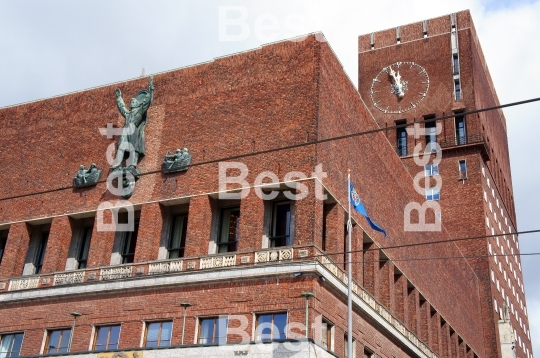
pixel 199 273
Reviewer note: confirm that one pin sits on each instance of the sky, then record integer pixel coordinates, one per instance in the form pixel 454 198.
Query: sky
pixel 53 47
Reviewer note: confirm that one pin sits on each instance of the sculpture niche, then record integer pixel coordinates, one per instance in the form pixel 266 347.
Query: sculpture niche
pixel 86 177
pixel 176 162
pixel 131 143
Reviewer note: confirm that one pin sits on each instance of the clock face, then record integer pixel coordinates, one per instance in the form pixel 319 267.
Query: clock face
pixel 399 87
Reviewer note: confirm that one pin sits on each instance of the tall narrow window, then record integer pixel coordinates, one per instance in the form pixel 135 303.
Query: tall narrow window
pixel 326 334
pixel 58 341
pixel 228 233
pixel 462 166
pixel 213 330
pixel 10 345
pixel 457 90
pixel 281 224
pixel 347 345
pixel 40 254
pixel 3 240
pixel 106 338
pixel 461 130
pixel 455 63
pixel 431 134
pixel 271 326
pixel 177 241
pixel 401 142
pixel 158 334
pixel 82 254
pixel 129 244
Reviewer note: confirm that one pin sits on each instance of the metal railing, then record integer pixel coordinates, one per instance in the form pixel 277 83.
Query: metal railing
pixel 476 138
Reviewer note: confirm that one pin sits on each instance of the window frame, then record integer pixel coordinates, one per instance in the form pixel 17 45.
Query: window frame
pixel 462 174
pixel 216 319
pixel 127 237
pixel 435 194
pixel 401 140
pixel 146 328
pixel 288 238
pixel 182 245
pixel 46 349
pixel 432 171
pixel 84 246
pixel 258 335
pixel 327 326
pixel 345 346
pixel 10 351
pixel 219 240
pixel 96 334
pixel 41 249
pixel 3 242
pixel 460 118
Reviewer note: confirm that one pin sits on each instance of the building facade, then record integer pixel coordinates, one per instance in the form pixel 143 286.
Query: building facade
pixel 231 251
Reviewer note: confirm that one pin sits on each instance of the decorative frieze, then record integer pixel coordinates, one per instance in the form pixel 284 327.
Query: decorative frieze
pixel 68 278
pixel 115 273
pixel 218 261
pixel 274 255
pixel 23 283
pixel 164 267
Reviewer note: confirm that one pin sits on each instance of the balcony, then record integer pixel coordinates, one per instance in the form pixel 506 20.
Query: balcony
pixel 475 139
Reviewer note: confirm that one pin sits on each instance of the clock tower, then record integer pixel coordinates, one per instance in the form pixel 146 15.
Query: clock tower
pixel 435 68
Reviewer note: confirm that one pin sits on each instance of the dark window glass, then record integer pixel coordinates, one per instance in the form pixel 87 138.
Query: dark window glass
pixel 402 142
pixel 461 131
pixel 462 169
pixel 107 338
pixel 129 244
pixel 456 65
pixel 271 326
pixel 10 345
pixel 281 225
pixel 82 255
pixel 177 241
pixel 213 330
pixel 457 90
pixel 158 334
pixel 3 240
pixel 228 233
pixel 40 255
pixel 58 341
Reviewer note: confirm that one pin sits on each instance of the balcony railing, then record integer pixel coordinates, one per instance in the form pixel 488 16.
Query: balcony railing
pixel 450 142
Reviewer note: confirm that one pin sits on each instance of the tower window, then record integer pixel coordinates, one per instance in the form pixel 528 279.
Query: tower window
pixel 129 244
pixel 462 169
pixel 401 142
pixel 457 90
pixel 455 62
pixel 431 135
pixel 461 130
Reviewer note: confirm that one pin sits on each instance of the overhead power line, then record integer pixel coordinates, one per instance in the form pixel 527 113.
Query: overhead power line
pixel 298 145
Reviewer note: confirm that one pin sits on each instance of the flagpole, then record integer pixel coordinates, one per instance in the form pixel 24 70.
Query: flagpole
pixel 349 273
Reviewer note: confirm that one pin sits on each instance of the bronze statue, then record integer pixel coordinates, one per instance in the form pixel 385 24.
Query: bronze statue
pixel 86 177
pixel 132 139
pixel 176 162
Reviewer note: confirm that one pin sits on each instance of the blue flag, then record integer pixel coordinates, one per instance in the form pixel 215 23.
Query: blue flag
pixel 359 207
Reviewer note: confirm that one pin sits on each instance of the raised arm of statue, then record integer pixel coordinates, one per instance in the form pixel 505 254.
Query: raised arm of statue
pixel 120 103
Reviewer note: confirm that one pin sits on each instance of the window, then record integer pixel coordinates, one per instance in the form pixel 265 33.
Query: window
pixel 402 142
pixel 106 338
pixel 345 339
pixel 158 334
pixel 431 134
pixel 455 62
pixel 228 232
pixel 433 194
pixel 368 353
pixel 271 326
pixel 461 130
pixel 462 166
pixel 326 334
pixel 457 90
pixel 3 240
pixel 177 240
pixel 431 170
pixel 213 330
pixel 129 244
pixel 10 345
pixel 58 341
pixel 281 224
pixel 40 255
pixel 82 254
